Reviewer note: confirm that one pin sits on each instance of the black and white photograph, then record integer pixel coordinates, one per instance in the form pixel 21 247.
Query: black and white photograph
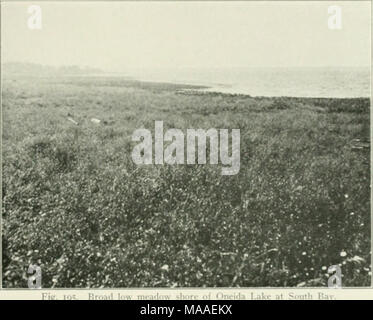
pixel 186 144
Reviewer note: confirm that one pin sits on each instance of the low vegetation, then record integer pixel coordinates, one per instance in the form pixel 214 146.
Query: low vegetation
pixel 75 204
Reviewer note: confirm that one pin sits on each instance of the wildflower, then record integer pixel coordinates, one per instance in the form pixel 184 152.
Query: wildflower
pixel 165 267
pixel 343 253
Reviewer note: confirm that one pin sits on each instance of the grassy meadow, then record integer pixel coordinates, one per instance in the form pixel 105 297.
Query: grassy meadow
pixel 75 204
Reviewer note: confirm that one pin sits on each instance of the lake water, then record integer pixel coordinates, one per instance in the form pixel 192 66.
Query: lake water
pixel 295 82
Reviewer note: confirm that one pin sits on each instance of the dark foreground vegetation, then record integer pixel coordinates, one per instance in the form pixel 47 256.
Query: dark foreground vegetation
pixel 75 204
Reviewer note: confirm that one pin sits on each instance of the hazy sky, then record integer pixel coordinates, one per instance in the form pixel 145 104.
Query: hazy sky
pixel 116 35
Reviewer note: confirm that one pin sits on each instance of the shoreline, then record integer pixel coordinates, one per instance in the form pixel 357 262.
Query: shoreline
pixel 180 87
